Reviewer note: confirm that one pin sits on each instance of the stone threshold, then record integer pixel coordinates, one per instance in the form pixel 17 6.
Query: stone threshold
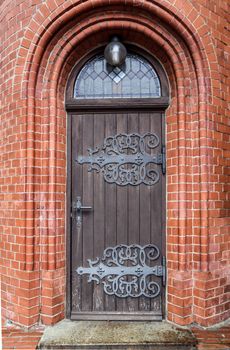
pixel 114 335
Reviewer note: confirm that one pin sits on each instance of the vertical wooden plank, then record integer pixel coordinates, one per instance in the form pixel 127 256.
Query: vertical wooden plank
pixel 122 191
pixel 76 238
pixel 156 206
pixel 98 211
pixel 156 189
pixel 133 208
pixel 145 201
pixel 110 206
pixel 87 216
pixel 122 207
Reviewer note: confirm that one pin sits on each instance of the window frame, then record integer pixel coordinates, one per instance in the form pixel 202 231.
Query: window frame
pixel 156 103
pixel 116 89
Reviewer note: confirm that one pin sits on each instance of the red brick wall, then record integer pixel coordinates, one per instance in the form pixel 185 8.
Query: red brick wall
pixel 40 43
pixel 212 289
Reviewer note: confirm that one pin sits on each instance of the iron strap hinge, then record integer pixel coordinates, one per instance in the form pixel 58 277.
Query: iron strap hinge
pixel 164 271
pixel 127 159
pixel 99 162
pixel 127 271
pixel 161 271
pixel 162 160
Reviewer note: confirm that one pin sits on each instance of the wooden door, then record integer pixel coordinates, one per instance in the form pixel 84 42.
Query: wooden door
pixel 118 215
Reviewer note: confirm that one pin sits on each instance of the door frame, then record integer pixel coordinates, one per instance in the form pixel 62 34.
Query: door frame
pixel 107 105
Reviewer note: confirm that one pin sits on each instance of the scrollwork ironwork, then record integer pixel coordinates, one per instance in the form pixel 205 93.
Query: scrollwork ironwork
pixel 125 159
pixel 124 272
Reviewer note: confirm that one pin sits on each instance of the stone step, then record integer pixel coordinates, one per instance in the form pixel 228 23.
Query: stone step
pixel 114 335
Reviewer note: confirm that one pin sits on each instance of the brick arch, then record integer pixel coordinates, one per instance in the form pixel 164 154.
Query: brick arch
pixel 49 19
pixel 36 52
pixel 48 62
pixel 49 91
pixel 183 18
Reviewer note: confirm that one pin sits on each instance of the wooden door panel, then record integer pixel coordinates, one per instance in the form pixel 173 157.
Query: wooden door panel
pixel 110 209
pixel 129 214
pixel 99 222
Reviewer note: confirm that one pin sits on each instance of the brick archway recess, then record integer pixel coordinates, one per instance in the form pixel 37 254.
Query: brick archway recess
pixel 56 38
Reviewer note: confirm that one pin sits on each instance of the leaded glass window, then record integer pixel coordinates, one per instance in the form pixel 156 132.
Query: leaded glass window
pixel 136 78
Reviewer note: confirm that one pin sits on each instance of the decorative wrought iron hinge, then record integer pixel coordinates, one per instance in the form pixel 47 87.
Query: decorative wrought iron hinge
pixel 127 271
pixel 126 159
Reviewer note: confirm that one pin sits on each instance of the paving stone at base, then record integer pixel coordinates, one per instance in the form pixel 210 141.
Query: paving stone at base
pixel 101 335
pixel 121 347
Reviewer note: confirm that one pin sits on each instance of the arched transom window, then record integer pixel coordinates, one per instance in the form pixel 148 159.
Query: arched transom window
pixel 136 78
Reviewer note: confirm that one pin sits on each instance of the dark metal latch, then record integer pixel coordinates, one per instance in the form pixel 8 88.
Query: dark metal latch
pixel 77 209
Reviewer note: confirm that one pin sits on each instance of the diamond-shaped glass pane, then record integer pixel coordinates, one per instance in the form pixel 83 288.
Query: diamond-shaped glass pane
pixel 117 70
pixel 140 74
pixel 121 74
pixel 103 75
pixel 131 75
pixel 136 79
pixel 94 75
pixel 117 79
pixel 112 75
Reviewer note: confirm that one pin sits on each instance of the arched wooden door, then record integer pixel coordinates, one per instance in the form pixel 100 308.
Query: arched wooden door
pixel 116 169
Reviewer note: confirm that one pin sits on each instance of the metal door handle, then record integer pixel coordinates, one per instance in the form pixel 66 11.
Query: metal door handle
pixel 85 208
pixel 78 207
